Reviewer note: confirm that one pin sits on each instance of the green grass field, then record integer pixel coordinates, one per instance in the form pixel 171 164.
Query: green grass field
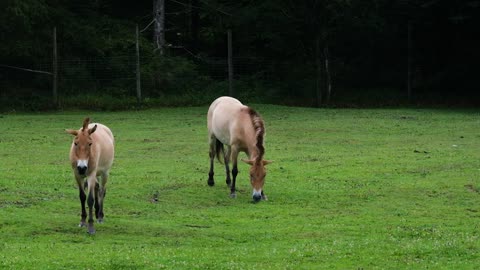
pixel 348 189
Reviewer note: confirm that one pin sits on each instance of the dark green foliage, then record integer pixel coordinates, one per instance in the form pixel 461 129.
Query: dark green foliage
pixel 172 75
pixel 277 46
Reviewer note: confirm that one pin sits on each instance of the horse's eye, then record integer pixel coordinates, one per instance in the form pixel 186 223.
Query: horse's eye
pixel 76 144
pixel 90 144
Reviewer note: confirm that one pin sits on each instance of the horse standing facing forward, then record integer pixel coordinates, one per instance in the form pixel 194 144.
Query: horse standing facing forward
pixel 91 156
pixel 241 129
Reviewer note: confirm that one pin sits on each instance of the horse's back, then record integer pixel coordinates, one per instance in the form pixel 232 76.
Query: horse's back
pixel 104 139
pixel 225 101
pixel 102 133
pixel 224 116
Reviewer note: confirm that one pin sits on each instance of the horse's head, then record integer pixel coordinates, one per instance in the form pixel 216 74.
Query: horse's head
pixel 81 146
pixel 257 177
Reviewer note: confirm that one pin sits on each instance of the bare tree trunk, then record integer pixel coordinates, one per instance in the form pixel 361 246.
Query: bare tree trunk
pixel 318 75
pixel 230 64
pixel 159 29
pixel 195 25
pixel 137 49
pixel 55 68
pixel 409 61
pixel 327 74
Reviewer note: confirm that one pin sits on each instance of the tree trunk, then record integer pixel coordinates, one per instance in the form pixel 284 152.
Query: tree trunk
pixel 409 61
pixel 195 25
pixel 159 29
pixel 55 69
pixel 318 71
pixel 230 64
pixel 327 74
pixel 137 50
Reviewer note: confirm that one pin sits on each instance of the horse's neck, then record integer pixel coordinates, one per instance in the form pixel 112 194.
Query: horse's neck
pixel 252 152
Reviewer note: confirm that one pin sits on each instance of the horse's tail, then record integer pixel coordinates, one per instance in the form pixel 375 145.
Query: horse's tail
pixel 219 150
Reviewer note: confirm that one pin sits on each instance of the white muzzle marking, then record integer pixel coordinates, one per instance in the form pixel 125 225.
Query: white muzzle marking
pixel 82 163
pixel 257 192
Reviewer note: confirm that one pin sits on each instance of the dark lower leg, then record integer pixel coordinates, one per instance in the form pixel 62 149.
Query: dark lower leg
pixel 101 198
pixel 264 197
pixel 83 197
pixel 90 202
pixel 234 174
pixel 211 182
pixel 227 171
pixel 226 159
pixel 97 205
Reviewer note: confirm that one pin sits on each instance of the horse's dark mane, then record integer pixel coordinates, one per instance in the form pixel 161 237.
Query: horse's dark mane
pixel 259 127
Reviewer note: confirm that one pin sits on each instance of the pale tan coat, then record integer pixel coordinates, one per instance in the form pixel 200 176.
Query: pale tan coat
pixel 240 129
pixel 230 122
pixel 91 157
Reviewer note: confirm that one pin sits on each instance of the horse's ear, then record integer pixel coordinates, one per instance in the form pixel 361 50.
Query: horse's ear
pixel 266 162
pixel 72 131
pixel 86 121
pixel 90 131
pixel 248 161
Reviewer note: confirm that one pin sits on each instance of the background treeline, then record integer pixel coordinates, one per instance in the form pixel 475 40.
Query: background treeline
pixel 310 53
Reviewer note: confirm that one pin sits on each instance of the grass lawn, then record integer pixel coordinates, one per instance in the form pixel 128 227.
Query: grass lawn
pixel 348 189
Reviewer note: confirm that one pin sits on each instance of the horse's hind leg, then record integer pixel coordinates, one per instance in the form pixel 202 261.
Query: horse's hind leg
pixel 211 182
pixel 97 206
pixel 227 160
pixel 102 191
pixel 92 180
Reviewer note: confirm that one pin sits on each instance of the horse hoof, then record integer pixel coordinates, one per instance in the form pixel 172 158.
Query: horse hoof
pixel 211 183
pixel 100 220
pixel 233 195
pixel 82 224
pixel 264 197
pixel 91 231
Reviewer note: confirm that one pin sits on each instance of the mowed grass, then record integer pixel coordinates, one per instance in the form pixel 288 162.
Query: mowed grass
pixel 348 189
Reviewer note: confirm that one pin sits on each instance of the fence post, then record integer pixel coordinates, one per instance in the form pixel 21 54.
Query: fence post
pixel 409 61
pixel 55 68
pixel 318 73
pixel 137 48
pixel 230 64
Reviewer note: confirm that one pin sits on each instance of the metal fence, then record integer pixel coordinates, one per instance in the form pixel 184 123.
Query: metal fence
pixel 117 75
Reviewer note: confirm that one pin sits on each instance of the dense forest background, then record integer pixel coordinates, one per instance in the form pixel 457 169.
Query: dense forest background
pixel 308 53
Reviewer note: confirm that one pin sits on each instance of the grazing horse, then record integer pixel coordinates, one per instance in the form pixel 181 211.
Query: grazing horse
pixel 241 129
pixel 91 156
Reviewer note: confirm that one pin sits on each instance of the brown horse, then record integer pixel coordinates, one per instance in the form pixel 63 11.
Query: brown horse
pixel 241 129
pixel 91 156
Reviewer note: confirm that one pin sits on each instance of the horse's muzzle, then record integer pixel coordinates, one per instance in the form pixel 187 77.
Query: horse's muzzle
pixel 82 170
pixel 257 195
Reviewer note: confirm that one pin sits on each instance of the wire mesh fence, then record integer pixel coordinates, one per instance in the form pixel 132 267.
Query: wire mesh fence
pixel 117 75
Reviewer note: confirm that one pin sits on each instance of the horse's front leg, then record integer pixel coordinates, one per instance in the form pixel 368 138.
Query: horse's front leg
pixel 234 157
pixel 264 197
pixel 83 198
pixel 92 180
pixel 226 159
